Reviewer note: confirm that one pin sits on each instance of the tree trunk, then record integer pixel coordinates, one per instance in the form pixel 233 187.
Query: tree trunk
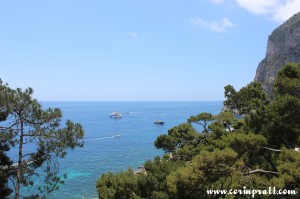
pixel 286 142
pixel 19 169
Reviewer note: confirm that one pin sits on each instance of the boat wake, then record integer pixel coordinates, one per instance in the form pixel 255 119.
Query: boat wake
pixel 102 138
pixel 132 113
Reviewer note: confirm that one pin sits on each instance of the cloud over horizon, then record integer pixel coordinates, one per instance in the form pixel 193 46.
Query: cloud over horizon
pixel 216 26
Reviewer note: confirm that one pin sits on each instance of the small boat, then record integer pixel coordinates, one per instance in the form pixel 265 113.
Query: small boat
pixel 116 115
pixel 117 136
pixel 159 122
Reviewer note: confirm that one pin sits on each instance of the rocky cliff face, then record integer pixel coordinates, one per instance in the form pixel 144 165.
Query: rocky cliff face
pixel 283 47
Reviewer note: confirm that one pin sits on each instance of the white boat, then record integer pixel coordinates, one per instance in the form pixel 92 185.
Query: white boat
pixel 116 115
pixel 159 122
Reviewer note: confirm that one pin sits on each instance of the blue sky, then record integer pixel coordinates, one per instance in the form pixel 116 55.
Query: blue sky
pixel 158 50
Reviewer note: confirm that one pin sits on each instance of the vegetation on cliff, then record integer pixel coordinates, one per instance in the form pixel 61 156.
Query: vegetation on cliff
pixel 256 151
pixel 283 47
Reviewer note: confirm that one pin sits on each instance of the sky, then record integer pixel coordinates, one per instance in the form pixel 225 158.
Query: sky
pixel 135 50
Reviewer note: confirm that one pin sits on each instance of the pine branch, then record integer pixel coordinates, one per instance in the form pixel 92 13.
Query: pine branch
pixel 259 171
pixel 3 128
pixel 276 150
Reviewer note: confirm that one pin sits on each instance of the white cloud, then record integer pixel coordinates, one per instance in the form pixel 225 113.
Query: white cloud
pixel 285 11
pixel 278 10
pixel 217 1
pixel 127 34
pixel 258 6
pixel 133 34
pixel 216 26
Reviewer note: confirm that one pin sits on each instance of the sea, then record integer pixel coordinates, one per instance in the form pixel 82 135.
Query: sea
pixel 116 144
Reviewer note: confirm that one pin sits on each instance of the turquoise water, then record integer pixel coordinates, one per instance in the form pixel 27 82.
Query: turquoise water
pixel 102 152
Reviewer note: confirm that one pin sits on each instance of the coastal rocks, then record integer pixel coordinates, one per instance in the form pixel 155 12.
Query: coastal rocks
pixel 283 47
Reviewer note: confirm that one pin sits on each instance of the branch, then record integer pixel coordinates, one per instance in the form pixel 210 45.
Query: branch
pixel 35 123
pixel 268 157
pixel 9 127
pixel 276 150
pixel 40 135
pixel 28 155
pixel 287 143
pixel 13 182
pixel 199 123
pixel 259 171
pixel 30 135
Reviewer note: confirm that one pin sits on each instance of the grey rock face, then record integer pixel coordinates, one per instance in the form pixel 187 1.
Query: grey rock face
pixel 283 47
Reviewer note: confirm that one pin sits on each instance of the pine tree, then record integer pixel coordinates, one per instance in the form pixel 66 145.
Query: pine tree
pixel 29 125
pixel 5 162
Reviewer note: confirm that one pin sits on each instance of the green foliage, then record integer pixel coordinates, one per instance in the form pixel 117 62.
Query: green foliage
pixel 226 116
pixel 105 185
pixel 284 126
pixel 165 142
pixel 258 153
pixel 288 80
pixel 226 119
pixel 154 183
pixel 241 142
pixel 257 119
pixel 279 119
pixel 132 186
pixel 5 161
pixel 205 172
pixel 246 99
pixel 230 95
pixel 239 124
pixel 288 167
pixel 30 124
pixel 160 195
pixel 202 119
pixel 178 140
pixel 120 185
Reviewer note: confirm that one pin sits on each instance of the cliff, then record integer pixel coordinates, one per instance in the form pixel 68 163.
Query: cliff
pixel 283 47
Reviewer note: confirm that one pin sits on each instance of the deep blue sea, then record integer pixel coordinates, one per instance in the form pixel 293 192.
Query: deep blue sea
pixel 102 152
